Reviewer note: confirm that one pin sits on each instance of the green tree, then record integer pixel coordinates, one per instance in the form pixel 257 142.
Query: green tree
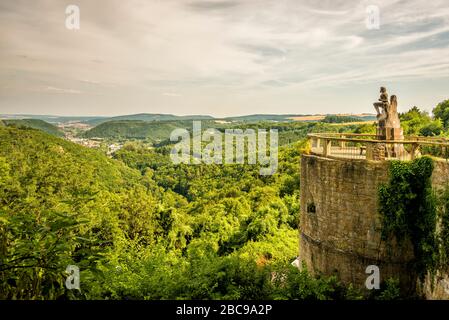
pixel 433 128
pixel 414 120
pixel 441 111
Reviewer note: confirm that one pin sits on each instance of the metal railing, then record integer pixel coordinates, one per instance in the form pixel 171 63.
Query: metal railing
pixel 368 147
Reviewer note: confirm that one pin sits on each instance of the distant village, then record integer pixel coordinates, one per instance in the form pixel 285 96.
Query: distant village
pixel 72 130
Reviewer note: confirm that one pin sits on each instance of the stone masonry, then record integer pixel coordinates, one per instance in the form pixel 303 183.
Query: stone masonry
pixel 340 229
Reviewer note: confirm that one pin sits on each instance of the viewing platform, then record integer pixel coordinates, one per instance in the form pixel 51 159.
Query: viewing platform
pixel 343 224
pixel 369 147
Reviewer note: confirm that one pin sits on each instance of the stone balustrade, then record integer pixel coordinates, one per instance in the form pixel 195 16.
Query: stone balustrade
pixel 368 147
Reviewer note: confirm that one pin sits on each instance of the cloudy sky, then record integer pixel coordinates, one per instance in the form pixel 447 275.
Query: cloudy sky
pixel 220 57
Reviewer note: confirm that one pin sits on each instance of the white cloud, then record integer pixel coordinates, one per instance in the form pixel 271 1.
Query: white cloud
pixel 90 81
pixel 171 94
pixel 61 90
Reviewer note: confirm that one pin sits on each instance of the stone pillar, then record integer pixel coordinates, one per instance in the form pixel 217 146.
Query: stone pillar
pixel 414 150
pixel 327 147
pixel 369 151
pixel 375 151
pixel 343 143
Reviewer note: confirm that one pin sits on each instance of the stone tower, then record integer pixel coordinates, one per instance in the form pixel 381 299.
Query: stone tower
pixel 340 224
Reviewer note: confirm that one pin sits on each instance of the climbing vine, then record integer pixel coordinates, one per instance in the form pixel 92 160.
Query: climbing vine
pixel 409 210
pixel 444 231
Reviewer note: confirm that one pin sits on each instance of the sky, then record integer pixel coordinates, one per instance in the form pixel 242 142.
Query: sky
pixel 219 57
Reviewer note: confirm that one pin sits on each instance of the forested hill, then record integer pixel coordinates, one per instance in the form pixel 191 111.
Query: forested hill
pixel 36 124
pixel 59 205
pixel 157 117
pixel 158 131
pixel 137 129
pixel 31 152
pixel 140 227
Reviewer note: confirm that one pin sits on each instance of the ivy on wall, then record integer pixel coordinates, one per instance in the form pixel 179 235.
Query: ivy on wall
pixel 409 210
pixel 443 205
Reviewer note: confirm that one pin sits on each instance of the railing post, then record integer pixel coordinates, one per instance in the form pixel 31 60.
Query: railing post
pixel 343 143
pixel 415 147
pixel 375 151
pixel 369 151
pixel 311 141
pixel 327 147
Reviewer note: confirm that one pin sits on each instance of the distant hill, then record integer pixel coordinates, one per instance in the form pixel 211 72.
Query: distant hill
pixel 35 124
pixel 96 120
pixel 149 117
pixel 154 131
pixel 160 117
pixel 60 163
pixel 245 118
pixel 263 117
pixel 335 118
pixel 52 119
pixel 171 117
pixel 344 119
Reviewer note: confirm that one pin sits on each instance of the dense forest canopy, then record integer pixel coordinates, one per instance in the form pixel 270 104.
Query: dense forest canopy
pixel 140 227
pixel 35 124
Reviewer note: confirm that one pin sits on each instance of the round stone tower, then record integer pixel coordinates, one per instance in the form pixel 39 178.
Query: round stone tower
pixel 340 223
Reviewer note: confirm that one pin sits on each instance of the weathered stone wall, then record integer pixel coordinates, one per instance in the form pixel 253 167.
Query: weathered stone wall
pixel 340 224
pixel 438 287
pixel 440 176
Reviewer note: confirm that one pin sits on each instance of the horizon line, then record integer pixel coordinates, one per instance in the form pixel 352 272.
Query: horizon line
pixel 178 115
